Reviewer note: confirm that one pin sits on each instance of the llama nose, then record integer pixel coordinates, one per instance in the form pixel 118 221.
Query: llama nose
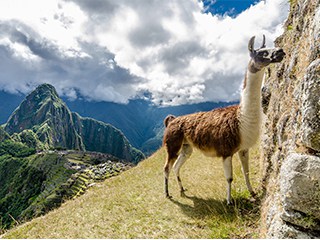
pixel 278 55
pixel 281 52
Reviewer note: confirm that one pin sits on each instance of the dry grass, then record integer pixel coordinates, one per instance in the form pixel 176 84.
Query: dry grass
pixel 132 205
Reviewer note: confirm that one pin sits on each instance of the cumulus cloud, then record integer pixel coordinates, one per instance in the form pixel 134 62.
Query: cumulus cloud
pixel 109 50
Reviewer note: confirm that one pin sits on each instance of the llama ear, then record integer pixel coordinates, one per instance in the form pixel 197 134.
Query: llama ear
pixel 251 45
pixel 263 41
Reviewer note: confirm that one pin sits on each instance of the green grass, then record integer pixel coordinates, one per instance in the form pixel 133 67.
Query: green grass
pixel 132 205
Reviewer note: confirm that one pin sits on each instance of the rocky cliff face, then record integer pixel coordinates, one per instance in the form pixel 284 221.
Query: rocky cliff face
pixel 44 121
pixel 291 130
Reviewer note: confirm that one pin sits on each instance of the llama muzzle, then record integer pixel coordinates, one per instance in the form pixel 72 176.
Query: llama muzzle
pixel 278 55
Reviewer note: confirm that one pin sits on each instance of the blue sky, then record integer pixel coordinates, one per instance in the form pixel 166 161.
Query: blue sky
pixel 229 7
pixel 177 51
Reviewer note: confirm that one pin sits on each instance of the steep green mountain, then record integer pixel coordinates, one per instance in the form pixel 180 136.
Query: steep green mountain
pixel 44 121
pixel 48 116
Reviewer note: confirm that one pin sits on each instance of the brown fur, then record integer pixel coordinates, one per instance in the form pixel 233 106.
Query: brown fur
pixel 217 129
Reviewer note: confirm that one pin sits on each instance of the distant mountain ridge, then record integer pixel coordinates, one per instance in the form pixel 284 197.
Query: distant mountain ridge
pixel 139 120
pixel 49 118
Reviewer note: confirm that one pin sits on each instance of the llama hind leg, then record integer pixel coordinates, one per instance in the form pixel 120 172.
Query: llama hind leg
pixel 227 167
pixel 173 145
pixel 185 153
pixel 167 168
pixel 244 158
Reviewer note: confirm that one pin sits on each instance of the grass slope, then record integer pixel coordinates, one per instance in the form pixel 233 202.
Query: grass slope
pixel 132 205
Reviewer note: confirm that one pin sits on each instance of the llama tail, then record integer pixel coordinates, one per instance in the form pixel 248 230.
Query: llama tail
pixel 168 119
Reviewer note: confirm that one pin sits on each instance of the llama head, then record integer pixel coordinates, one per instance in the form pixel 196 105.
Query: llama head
pixel 263 56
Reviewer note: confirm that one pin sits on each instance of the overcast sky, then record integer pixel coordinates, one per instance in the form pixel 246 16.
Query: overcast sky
pixel 177 51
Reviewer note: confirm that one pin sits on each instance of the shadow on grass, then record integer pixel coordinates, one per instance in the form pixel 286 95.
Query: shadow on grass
pixel 201 208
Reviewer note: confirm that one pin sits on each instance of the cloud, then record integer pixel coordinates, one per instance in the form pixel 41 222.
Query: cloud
pixel 107 50
pixel 27 60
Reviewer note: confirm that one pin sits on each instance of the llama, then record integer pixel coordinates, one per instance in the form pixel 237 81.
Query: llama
pixel 225 131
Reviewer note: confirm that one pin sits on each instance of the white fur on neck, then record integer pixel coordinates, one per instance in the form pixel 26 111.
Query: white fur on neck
pixel 250 109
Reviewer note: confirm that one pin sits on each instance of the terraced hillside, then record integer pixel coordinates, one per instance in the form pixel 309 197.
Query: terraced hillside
pixel 33 185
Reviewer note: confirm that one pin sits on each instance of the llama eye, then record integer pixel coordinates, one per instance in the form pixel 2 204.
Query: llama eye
pixel 263 54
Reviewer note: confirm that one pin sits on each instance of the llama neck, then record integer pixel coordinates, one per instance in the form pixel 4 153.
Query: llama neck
pixel 250 107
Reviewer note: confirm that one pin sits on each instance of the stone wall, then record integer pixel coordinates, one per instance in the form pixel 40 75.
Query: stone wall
pixel 291 130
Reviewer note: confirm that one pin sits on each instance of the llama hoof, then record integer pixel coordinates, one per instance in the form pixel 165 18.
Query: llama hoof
pixel 168 196
pixel 230 202
pixel 253 194
pixel 182 192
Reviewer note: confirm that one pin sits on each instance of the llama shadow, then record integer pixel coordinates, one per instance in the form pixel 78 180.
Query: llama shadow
pixel 203 208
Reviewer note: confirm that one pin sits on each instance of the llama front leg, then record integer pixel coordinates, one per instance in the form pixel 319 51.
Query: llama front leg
pixel 227 167
pixel 185 153
pixel 244 158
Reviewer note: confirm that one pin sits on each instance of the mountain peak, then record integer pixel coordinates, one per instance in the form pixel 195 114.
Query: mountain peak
pixel 44 112
pixel 34 108
pixel 45 90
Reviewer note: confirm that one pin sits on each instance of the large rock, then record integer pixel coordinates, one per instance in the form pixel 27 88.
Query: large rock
pixel 310 111
pixel 294 210
pixel 300 191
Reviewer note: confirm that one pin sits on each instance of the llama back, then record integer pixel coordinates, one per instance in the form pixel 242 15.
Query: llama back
pixel 217 129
